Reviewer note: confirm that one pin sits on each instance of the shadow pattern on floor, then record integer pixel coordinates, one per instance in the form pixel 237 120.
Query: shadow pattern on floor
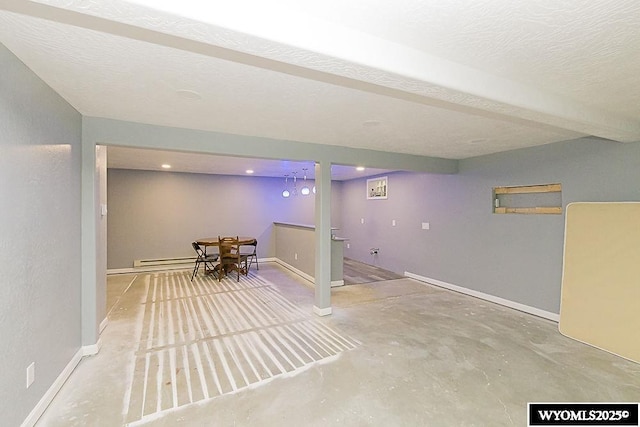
pixel 206 338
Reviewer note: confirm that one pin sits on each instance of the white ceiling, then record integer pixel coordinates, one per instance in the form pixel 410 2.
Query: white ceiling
pixel 146 159
pixel 451 79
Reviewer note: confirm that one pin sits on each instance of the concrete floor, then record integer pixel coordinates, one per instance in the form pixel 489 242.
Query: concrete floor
pixel 395 353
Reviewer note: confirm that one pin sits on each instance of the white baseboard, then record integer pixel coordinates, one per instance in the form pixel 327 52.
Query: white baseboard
pixel 164 261
pixel 103 325
pixel 310 278
pixel 93 349
pixel 322 311
pixel 119 271
pixel 295 270
pixel 487 297
pixel 46 400
pixel 149 269
pixel 152 268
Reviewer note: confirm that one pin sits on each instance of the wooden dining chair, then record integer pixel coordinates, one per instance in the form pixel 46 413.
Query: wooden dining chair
pixel 203 259
pixel 250 254
pixel 231 259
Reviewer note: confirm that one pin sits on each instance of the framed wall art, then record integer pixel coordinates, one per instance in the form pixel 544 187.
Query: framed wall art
pixel 377 188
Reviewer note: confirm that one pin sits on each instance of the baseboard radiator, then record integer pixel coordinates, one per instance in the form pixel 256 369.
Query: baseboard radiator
pixel 163 261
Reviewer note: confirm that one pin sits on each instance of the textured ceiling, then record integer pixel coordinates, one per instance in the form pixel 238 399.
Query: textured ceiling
pixel 451 79
pixel 146 159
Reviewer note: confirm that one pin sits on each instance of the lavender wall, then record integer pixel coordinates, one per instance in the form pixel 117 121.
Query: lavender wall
pixel 158 214
pixel 516 257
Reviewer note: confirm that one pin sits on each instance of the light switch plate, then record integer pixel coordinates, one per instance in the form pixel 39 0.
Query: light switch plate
pixel 425 225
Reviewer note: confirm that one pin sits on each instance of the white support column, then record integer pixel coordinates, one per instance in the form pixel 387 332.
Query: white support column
pixel 322 305
pixel 89 253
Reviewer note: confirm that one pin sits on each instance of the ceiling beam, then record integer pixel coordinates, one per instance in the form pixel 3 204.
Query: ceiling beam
pixel 345 57
pixel 128 134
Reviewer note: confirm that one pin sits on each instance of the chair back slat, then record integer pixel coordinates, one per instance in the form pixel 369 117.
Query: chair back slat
pixel 230 256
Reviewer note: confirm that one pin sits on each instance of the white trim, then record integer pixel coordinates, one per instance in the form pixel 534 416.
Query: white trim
pixel 295 270
pixel 151 268
pixel 119 271
pixel 492 298
pixel 164 261
pixel 46 400
pixel 103 325
pixel 146 269
pixel 322 311
pixel 334 283
pixel 93 349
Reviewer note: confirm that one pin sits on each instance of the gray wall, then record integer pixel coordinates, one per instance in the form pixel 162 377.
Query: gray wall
pixel 300 241
pixel 40 266
pixel 296 246
pixel 101 234
pixel 516 257
pixel 158 214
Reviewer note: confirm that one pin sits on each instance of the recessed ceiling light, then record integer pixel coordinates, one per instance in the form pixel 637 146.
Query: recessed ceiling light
pixel 189 94
pixel 360 168
pixel 166 166
pixel 249 171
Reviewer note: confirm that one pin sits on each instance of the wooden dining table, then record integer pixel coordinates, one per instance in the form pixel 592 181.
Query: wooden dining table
pixel 213 241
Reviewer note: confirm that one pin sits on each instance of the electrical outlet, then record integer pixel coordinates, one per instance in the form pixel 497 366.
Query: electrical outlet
pixel 425 225
pixel 348 245
pixel 295 256
pixel 393 222
pixel 31 374
pixel 361 220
